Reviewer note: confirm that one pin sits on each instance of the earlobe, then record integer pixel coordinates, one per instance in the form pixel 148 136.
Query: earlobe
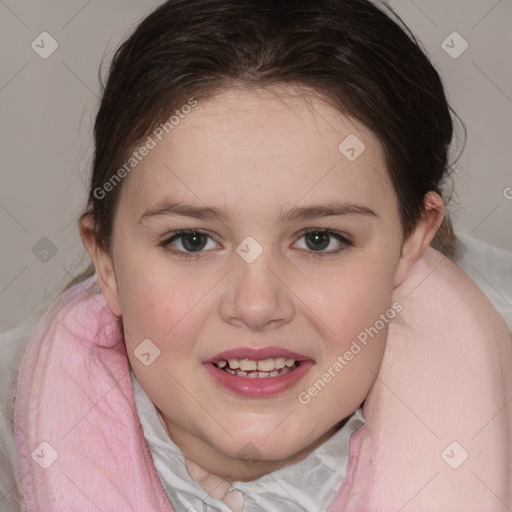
pixel 102 263
pixel 421 236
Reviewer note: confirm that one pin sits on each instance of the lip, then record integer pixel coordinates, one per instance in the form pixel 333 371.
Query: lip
pixel 258 387
pixel 257 354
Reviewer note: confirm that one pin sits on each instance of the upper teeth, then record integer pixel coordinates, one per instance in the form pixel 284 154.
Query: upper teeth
pixel 264 365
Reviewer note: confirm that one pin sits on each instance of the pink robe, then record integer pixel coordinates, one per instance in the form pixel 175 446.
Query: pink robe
pixel 438 418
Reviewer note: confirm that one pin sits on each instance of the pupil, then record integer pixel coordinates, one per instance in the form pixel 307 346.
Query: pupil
pixel 317 240
pixel 194 241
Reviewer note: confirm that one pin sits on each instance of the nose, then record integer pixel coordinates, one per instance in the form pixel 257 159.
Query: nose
pixel 256 296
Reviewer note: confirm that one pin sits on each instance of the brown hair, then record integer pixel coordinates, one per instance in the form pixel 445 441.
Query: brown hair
pixel 365 63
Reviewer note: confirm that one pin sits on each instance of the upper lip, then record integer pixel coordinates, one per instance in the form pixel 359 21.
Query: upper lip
pixel 257 354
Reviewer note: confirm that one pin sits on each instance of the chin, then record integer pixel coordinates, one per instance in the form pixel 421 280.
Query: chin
pixel 257 447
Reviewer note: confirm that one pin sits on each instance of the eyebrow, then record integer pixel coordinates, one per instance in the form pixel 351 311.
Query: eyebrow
pixel 327 210
pixel 297 213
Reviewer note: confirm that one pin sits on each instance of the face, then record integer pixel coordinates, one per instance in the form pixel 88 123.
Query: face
pixel 249 239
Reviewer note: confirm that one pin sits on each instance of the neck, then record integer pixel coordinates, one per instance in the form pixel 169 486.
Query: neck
pixel 229 468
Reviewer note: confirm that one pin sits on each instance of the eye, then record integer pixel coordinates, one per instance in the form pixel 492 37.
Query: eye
pixel 322 240
pixel 190 241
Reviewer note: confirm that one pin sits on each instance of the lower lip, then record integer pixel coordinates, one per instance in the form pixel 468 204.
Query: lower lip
pixel 259 387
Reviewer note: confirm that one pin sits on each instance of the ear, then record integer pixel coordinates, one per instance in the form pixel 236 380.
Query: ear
pixel 421 236
pixel 102 263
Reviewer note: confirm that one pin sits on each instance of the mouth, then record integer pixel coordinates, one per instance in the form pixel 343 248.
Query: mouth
pixel 258 372
pixel 258 369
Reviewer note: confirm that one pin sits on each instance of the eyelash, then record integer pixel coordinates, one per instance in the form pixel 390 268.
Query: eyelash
pixel 344 241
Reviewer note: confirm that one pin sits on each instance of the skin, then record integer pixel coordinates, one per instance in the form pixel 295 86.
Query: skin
pixel 256 154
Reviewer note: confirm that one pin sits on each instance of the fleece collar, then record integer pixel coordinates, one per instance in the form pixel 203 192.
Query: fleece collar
pixel 438 418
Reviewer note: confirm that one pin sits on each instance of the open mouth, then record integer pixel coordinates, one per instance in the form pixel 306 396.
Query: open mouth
pixel 258 369
pixel 258 373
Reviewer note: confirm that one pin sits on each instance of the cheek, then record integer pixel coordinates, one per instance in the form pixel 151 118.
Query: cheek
pixel 351 297
pixel 354 306
pixel 167 307
pixel 160 319
pixel 156 296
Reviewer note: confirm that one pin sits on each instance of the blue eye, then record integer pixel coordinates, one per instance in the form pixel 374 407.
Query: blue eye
pixel 322 240
pixel 190 241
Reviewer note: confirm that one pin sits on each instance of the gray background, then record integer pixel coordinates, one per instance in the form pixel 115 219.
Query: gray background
pixel 47 108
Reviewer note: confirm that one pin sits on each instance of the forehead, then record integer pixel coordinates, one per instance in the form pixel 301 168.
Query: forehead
pixel 257 150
